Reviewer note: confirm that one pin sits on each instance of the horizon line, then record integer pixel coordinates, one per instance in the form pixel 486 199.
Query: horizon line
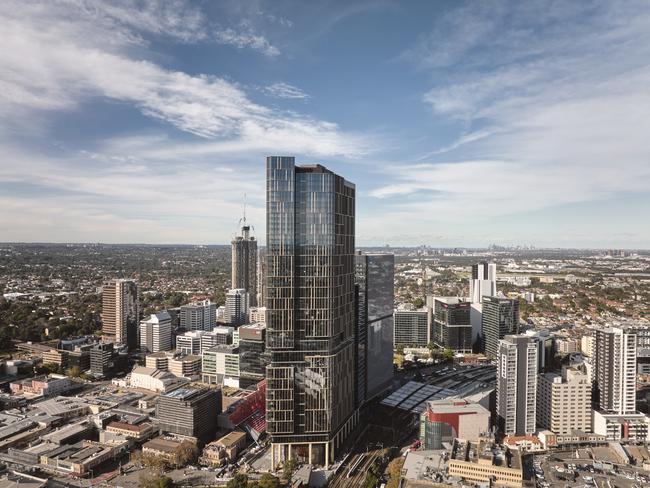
pixel 522 247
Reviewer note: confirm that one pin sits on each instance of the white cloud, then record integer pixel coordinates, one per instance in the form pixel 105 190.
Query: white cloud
pixel 51 61
pixel 285 90
pixel 149 186
pixel 245 38
pixel 553 101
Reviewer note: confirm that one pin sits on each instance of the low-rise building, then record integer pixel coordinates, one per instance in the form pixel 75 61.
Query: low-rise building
pixel 225 449
pixel 576 438
pixel 444 420
pixel 186 366
pixel 167 449
pixel 483 462
pixel 153 379
pixel 42 385
pixel 158 360
pixel 78 459
pixel 138 432
pixel 622 427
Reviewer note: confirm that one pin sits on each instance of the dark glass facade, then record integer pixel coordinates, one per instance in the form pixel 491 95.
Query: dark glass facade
pixel 452 328
pixel 374 330
pixel 412 327
pixel 253 360
pixel 500 318
pixel 310 314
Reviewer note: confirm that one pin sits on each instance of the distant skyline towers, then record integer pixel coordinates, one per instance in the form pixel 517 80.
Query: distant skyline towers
pixel 156 332
pixel 375 299
pixel 483 281
pixel 120 312
pixel 244 262
pixel 517 385
pixel 237 304
pixel 310 314
pixel 615 370
pixel 500 318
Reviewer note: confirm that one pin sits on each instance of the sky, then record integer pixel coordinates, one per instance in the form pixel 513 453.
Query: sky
pixel 461 123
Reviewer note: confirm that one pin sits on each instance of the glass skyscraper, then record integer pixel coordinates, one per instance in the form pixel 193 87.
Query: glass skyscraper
pixel 375 282
pixel 310 314
pixel 500 318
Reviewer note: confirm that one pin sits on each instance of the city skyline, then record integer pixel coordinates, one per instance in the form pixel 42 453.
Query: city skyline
pixel 463 124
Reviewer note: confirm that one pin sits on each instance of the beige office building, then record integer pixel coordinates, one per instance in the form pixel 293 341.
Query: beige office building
pixel 564 401
pixel 120 312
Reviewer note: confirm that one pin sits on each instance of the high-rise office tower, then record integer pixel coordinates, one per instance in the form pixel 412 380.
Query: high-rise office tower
pixel 500 318
pixel 615 370
pixel 564 401
pixel 237 302
pixel 517 385
pixel 201 315
pixel 375 298
pixel 120 312
pixel 190 411
pixel 452 328
pixel 412 327
pixel 310 310
pixel 244 262
pixel 156 332
pixel 483 281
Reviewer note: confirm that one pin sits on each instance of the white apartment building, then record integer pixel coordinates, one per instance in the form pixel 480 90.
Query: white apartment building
pixel 156 332
pixel 615 370
pixel 564 401
pixel 256 315
pixel 517 365
pixel 190 342
pixel 218 336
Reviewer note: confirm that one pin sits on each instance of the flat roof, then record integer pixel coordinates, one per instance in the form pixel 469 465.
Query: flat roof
pixel 454 405
pixel 165 445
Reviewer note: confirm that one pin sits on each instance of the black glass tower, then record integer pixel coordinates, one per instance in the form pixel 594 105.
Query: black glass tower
pixel 310 314
pixel 500 318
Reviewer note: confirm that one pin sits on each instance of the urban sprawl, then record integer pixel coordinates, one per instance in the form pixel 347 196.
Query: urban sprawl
pixel 313 362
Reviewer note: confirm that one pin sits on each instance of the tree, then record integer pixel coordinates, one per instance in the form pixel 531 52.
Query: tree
pixel 269 481
pixel 187 453
pixel 288 468
pixel 48 368
pixel 370 480
pixel 238 481
pixel 418 302
pixel 395 472
pixel 158 463
pixel 73 372
pixel 448 355
pixel 400 349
